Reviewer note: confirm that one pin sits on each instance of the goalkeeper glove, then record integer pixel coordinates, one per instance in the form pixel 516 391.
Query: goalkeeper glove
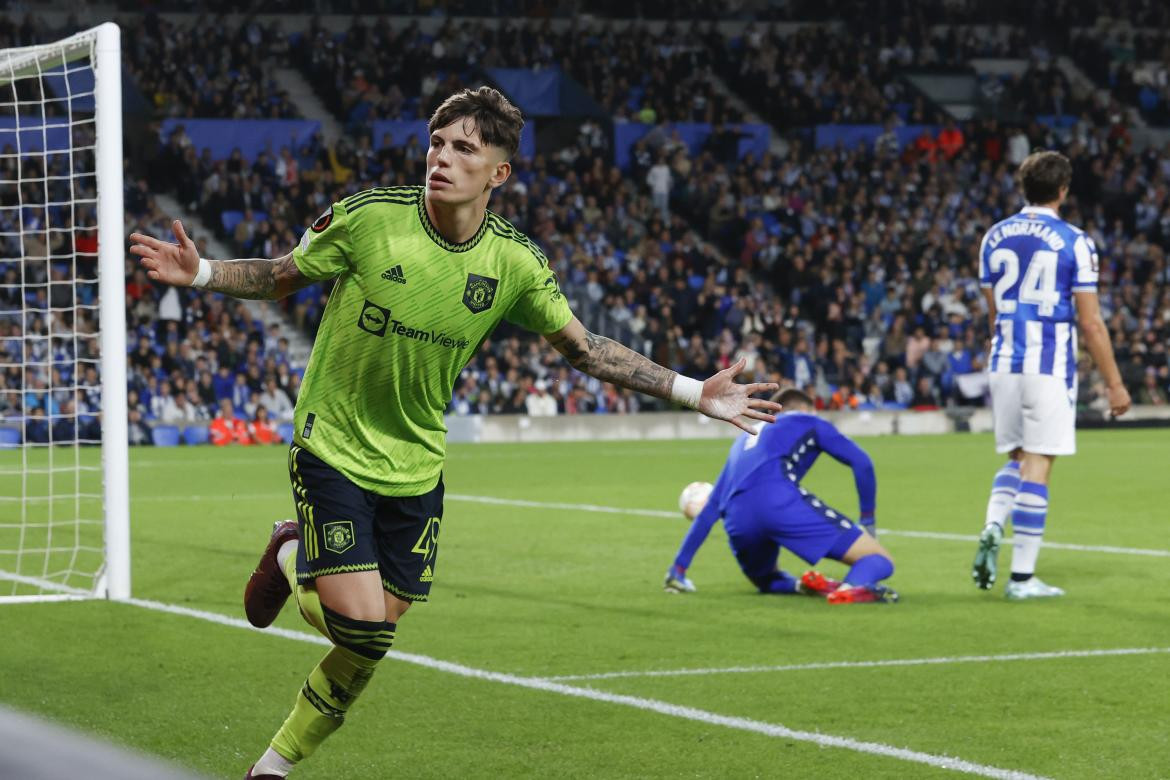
pixel 868 523
pixel 677 581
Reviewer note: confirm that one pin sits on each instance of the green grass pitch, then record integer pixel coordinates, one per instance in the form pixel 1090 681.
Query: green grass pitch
pixel 543 591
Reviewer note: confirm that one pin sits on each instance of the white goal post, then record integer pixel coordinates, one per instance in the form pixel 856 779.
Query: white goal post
pixel 64 469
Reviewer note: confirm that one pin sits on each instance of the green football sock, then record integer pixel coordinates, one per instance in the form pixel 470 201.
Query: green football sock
pixel 334 684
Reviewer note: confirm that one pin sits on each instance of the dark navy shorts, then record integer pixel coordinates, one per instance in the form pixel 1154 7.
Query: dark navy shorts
pixel 345 528
pixel 758 525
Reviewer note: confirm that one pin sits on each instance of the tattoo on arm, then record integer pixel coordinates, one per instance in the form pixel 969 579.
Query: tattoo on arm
pixel 610 361
pixel 257 279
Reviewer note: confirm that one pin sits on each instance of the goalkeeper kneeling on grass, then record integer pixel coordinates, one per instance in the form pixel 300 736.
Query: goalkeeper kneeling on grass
pixel 764 508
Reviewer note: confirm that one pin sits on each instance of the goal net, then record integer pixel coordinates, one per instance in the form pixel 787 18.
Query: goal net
pixel 64 509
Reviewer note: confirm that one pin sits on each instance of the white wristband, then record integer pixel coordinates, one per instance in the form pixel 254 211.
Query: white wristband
pixel 204 274
pixel 686 391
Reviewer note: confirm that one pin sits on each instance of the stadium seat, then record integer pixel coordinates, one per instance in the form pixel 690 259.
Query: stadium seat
pixel 165 435
pixel 230 219
pixel 9 437
pixel 286 432
pixel 195 434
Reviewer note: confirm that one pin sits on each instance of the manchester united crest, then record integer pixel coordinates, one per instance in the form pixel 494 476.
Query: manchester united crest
pixel 479 293
pixel 338 536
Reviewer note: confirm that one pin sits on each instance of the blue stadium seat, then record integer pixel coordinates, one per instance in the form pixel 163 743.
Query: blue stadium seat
pixel 230 219
pixel 196 434
pixel 165 435
pixel 9 437
pixel 286 432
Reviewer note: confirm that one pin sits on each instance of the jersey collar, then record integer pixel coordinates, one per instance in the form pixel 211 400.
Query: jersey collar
pixel 433 232
pixel 1040 210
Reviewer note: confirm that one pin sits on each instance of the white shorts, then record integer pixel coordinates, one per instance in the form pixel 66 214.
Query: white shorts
pixel 1036 413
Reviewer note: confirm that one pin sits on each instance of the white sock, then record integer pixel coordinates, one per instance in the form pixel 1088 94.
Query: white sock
pixel 1003 495
pixel 273 763
pixel 286 549
pixel 1025 550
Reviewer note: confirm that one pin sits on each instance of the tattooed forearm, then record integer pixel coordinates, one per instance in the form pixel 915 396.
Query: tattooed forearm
pixel 256 279
pixel 610 361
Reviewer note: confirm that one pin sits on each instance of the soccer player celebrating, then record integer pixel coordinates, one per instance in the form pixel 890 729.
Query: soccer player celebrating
pixel 1039 275
pixel 424 274
pixel 763 506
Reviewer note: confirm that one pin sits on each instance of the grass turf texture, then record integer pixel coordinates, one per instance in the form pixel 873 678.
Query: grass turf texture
pixel 539 591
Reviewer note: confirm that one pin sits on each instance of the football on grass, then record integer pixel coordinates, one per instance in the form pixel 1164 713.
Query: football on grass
pixel 692 498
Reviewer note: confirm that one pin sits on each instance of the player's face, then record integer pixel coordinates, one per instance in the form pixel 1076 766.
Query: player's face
pixel 461 168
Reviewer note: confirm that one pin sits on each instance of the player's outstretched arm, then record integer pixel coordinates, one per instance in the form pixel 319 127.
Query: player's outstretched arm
pixel 1097 342
pixel 180 265
pixel 720 397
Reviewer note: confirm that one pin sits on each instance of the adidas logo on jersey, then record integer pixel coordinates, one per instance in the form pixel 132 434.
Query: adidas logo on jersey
pixel 394 275
pixel 427 574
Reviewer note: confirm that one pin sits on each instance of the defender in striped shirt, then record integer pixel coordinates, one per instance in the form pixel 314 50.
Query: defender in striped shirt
pixel 1039 275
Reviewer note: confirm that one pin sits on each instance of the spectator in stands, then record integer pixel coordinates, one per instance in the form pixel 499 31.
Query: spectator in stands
pixel 844 398
pixel 202 412
pixel 540 403
pixel 1151 392
pixel 886 145
pixel 275 401
pixel 36 427
pixel 903 391
pixel 242 395
pixel 136 428
pixel 1018 147
pixel 923 149
pixel 262 430
pixel 660 180
pixel 950 140
pixel 227 428
pixel 176 410
pixel 925 395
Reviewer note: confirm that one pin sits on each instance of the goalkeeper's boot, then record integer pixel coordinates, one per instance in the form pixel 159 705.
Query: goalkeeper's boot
pixel 813 583
pixel 986 557
pixel 267 588
pixel 251 776
pixel 1031 588
pixel 677 581
pixel 863 594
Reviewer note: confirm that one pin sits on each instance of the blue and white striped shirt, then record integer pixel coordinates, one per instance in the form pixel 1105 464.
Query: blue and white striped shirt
pixel 1034 261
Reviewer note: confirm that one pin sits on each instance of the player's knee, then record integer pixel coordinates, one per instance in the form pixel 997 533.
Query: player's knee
pixel 395 607
pixel 370 639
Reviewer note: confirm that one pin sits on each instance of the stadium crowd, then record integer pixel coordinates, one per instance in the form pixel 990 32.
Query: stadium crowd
pixel 207 70
pixel 849 272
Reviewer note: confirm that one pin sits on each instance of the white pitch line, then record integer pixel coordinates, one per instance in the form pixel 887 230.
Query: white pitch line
pixel 954 659
pixel 615 510
pixel 38 582
pixel 1046 544
pixel 637 702
pixel 609 510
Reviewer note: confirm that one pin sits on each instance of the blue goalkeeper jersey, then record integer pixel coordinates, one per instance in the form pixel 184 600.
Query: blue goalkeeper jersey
pixel 777 459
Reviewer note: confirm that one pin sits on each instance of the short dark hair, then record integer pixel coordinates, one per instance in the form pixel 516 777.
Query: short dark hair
pixel 1043 174
pixel 793 397
pixel 497 120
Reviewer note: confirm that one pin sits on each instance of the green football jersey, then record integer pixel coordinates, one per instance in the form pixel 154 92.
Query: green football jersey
pixel 407 313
